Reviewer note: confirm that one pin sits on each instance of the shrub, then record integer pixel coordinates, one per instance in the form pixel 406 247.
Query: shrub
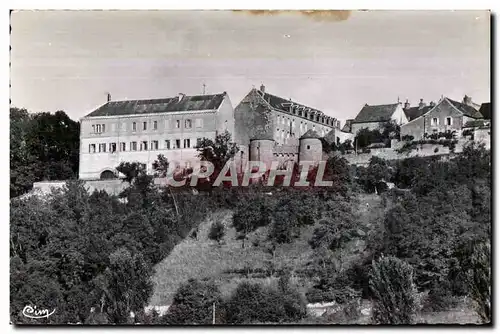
pixel 193 303
pixel 217 231
pixel 407 138
pixel 395 295
pixel 253 303
pixel 439 299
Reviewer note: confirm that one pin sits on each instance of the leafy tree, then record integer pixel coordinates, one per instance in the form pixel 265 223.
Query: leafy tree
pixel 250 215
pixel 217 151
pixel 131 170
pixel 395 295
pixel 390 130
pixel 125 285
pixel 161 166
pixel 479 280
pixel 374 177
pixel 43 146
pixel 193 303
pixel 217 231
pixel 365 137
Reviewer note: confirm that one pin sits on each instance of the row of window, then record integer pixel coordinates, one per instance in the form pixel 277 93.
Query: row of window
pixel 142 146
pixel 448 121
pixel 313 117
pixel 302 127
pixel 188 124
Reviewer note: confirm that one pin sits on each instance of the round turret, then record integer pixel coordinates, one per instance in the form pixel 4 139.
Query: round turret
pixel 310 147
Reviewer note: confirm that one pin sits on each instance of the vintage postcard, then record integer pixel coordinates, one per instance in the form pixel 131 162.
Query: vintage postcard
pixel 251 167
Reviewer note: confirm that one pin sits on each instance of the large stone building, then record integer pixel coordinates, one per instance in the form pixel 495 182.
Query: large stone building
pixel 446 115
pixel 270 128
pixel 139 130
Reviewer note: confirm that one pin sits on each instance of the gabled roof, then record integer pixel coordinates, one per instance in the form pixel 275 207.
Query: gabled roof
pixel 485 110
pixel 465 109
pixel 310 134
pixel 414 112
pixel 378 113
pixel 171 104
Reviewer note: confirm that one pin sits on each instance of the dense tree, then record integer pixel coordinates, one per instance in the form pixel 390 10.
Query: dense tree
pixel 125 286
pixel 193 304
pixel 217 151
pixel 253 303
pixel 395 295
pixel 43 146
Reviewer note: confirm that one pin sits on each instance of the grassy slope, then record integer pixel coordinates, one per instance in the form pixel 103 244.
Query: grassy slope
pixel 203 259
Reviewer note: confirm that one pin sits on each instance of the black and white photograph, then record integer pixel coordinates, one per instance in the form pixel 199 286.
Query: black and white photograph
pixel 250 167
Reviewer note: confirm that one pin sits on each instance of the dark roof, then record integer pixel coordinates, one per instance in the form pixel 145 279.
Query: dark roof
pixel 415 112
pixel 465 109
pixel 485 110
pixel 380 113
pixel 476 123
pixel 310 134
pixel 131 107
pixel 284 104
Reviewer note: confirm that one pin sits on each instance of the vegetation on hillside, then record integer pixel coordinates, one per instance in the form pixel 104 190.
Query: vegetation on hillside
pixel 91 256
pixel 43 146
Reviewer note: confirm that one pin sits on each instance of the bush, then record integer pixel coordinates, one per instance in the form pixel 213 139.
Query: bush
pixel 253 303
pixel 395 295
pixel 439 299
pixel 217 231
pixel 407 138
pixel 193 303
pixel 436 150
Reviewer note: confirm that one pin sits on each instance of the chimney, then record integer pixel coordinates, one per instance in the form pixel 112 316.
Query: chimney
pixel 407 104
pixel 181 96
pixel 467 100
pixel 421 104
pixel 262 88
pixel 109 97
pixel 432 103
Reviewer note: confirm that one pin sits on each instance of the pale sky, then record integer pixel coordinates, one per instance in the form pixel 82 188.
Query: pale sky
pixel 62 60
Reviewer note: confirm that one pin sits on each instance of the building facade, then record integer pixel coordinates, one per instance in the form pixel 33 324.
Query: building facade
pixel 374 117
pixel 140 130
pixel 265 117
pixel 445 116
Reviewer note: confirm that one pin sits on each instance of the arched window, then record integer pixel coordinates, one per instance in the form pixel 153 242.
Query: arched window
pixel 107 175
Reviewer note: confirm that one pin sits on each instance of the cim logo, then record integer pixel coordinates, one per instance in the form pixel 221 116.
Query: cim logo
pixel 34 313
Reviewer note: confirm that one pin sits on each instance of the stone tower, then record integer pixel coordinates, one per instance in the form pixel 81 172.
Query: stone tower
pixel 262 149
pixel 310 147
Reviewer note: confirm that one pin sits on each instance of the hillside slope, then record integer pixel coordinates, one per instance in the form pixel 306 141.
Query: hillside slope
pixel 229 263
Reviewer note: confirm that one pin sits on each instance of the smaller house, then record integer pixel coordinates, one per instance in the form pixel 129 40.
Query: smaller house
pixel 374 117
pixel 414 112
pixel 447 116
